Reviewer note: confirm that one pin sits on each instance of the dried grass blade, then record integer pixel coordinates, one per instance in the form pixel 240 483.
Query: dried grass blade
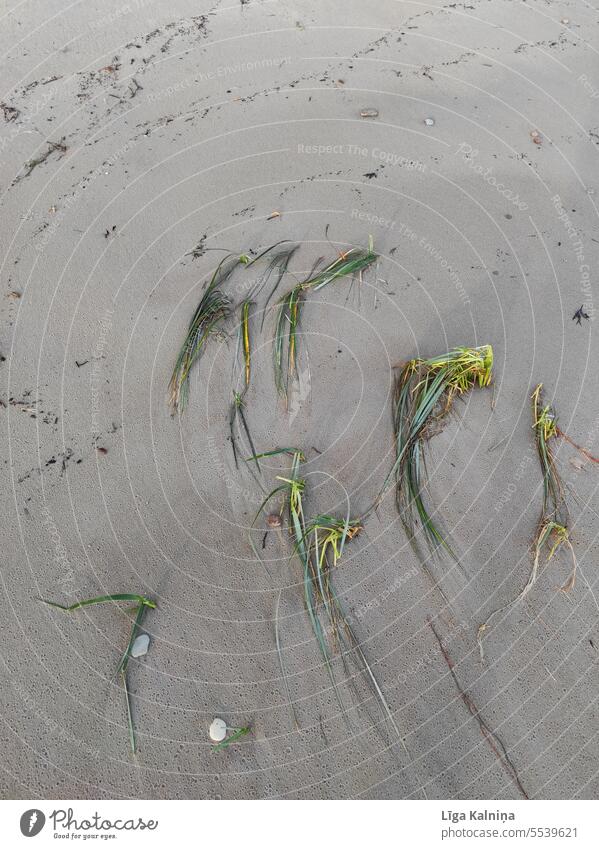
pixel 282 664
pixel 131 727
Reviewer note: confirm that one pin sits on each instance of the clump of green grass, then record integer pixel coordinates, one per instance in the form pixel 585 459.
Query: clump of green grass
pixel 287 323
pixel 552 532
pixel 330 535
pixel 211 312
pixel 425 390
pixel 319 544
pixel 551 535
pixel 555 516
pixel 282 490
pixel 142 606
pixel 545 428
pixel 289 307
pixel 276 267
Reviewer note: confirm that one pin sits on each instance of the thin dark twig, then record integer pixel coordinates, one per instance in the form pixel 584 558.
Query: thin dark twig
pixel 495 744
pixel 578 447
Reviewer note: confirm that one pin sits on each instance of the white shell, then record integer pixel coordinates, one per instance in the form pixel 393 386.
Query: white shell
pixel 140 646
pixel 218 730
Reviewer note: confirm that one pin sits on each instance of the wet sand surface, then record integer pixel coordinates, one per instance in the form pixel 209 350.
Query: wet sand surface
pixel 139 140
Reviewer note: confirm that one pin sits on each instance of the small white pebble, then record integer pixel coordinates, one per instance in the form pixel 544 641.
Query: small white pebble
pixel 140 646
pixel 430 122
pixel 218 730
pixel 565 20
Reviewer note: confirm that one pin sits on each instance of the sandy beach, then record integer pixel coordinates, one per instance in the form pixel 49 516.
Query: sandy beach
pixel 139 142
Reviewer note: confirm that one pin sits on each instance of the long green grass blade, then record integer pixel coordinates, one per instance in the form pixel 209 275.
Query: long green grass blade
pixel 289 311
pixel 279 264
pixel 141 610
pixel 213 309
pixel 237 734
pixel 236 411
pixel 131 727
pixel 143 604
pixel 103 599
pixel 349 263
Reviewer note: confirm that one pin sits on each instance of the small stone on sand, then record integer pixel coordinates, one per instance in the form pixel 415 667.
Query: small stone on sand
pixel 218 730
pixel 273 520
pixel 140 646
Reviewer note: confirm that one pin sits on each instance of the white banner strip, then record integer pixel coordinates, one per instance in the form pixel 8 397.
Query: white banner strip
pixel 276 823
